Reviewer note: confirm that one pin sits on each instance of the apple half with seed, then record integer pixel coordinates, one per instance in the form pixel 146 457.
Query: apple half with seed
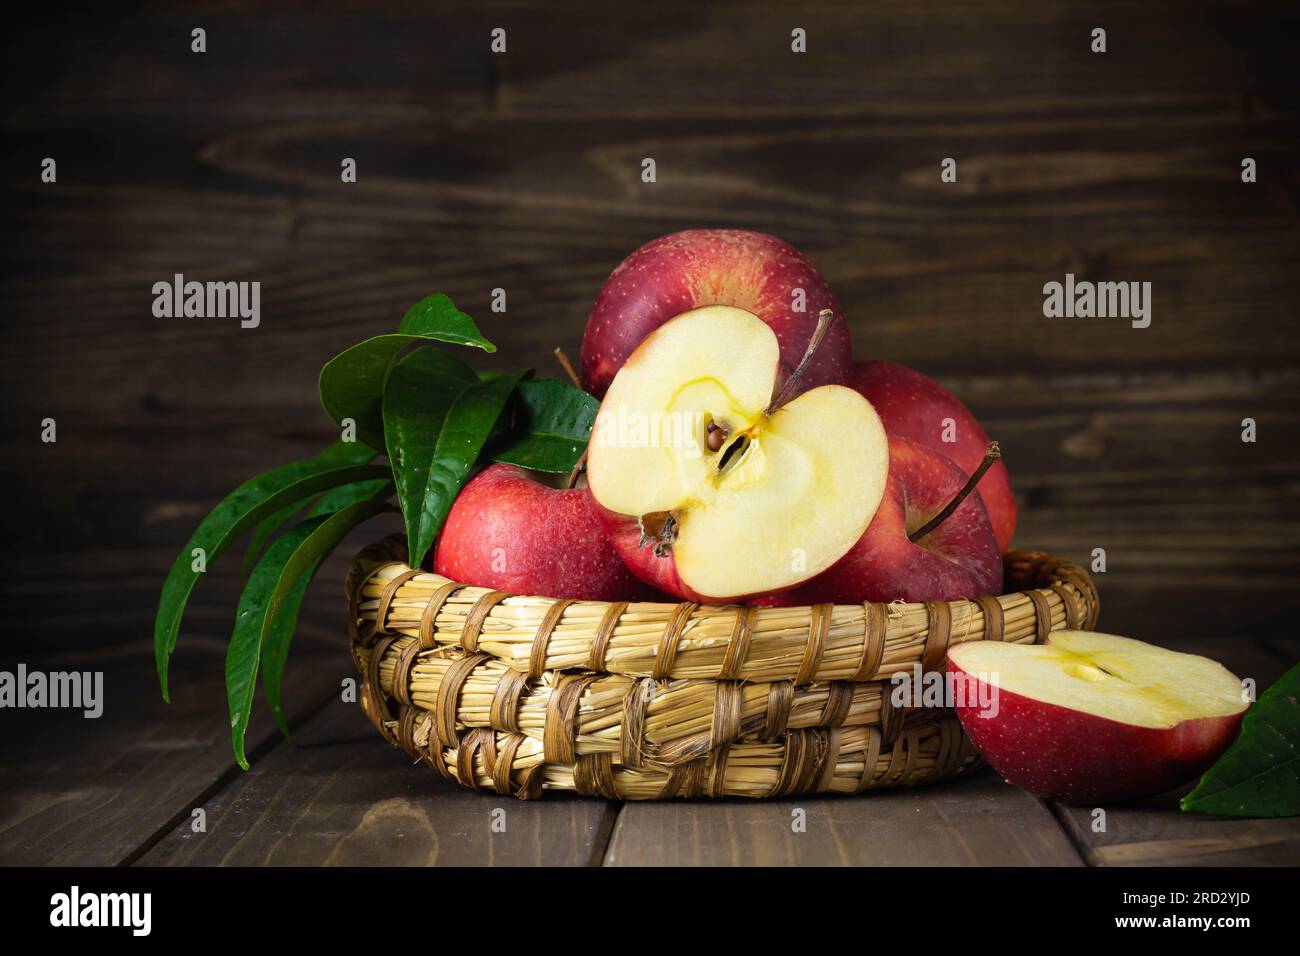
pixel 715 484
pixel 1093 718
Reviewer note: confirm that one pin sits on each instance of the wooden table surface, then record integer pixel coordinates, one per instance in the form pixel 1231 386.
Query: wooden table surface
pixel 522 171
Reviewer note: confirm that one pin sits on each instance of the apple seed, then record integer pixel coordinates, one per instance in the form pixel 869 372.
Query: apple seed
pixel 716 435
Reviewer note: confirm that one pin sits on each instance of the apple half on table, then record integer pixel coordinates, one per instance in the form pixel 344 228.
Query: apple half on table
pixel 715 485
pixel 1093 718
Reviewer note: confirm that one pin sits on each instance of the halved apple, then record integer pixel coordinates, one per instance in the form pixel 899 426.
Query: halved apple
pixel 711 487
pixel 1094 718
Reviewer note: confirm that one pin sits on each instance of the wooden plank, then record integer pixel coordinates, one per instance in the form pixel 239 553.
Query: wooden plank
pixel 92 792
pixel 976 821
pixel 344 797
pixel 566 59
pixel 1176 841
pixel 1155 832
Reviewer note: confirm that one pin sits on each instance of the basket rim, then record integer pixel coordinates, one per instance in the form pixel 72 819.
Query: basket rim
pixel 387 597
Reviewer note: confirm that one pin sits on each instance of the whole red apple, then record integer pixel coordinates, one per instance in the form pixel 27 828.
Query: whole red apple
pixel 958 559
pixel 1093 718
pixel 700 267
pixel 916 407
pixel 509 531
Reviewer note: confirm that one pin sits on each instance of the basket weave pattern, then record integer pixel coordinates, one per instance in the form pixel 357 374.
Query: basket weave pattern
pixel 519 694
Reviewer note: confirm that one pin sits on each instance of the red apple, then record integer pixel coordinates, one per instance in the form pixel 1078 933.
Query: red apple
pixel 1093 718
pixel 714 484
pixel 958 559
pixel 686 270
pixel 509 531
pixel 916 407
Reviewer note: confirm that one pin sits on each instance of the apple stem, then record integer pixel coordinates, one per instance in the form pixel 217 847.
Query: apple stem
pixel 991 454
pixel 791 385
pixel 578 469
pixel 562 357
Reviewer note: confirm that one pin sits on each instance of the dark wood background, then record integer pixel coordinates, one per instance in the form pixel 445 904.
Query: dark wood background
pixel 522 171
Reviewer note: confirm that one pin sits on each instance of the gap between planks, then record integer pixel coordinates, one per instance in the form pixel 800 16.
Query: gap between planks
pixel 226 779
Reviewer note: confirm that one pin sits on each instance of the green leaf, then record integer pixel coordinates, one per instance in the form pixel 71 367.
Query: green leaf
pixel 1259 776
pixel 280 578
pixel 240 510
pixel 341 497
pixel 245 648
pixel 553 421
pixel 418 393
pixel 352 383
pixel 266 529
pixel 436 424
pixel 464 433
pixel 436 316
pixel 354 452
pixel 275 646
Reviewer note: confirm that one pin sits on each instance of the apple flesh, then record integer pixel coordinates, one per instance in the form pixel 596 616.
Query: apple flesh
pixel 510 531
pixel 701 267
pixel 958 559
pixel 1093 718
pixel 916 407
pixel 714 489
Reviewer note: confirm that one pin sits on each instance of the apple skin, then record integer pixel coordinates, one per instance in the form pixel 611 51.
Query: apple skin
pixel 659 573
pixel 1062 754
pixel 511 532
pixel 958 559
pixel 913 406
pixel 686 270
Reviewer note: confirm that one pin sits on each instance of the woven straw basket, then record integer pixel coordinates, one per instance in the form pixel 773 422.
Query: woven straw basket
pixel 645 701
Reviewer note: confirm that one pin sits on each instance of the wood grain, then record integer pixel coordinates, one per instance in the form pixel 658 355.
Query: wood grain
pixel 342 797
pixel 978 820
pixel 95 792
